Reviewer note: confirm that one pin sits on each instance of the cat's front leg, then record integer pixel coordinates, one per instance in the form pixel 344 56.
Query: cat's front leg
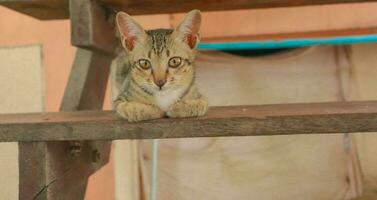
pixel 188 108
pixel 135 111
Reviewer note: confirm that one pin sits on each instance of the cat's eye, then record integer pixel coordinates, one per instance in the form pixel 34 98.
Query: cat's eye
pixel 145 64
pixel 175 62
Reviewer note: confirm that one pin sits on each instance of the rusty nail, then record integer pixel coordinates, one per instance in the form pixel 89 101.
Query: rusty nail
pixel 75 149
pixel 96 156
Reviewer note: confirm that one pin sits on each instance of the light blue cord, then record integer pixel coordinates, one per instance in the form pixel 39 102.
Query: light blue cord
pixel 153 193
pixel 291 43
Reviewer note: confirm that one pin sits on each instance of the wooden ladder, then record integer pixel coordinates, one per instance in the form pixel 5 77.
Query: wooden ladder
pixel 59 151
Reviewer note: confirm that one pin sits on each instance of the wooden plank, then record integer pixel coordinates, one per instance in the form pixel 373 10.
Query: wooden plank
pixel 266 24
pixel 40 9
pixel 136 7
pixel 220 121
pixel 57 170
pixel 90 27
pixel 58 9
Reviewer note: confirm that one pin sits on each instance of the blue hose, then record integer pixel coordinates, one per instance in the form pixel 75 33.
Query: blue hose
pixel 290 43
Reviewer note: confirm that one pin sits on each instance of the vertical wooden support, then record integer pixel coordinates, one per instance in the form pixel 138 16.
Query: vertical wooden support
pixel 90 25
pixel 32 168
pixel 60 170
pixel 87 83
pixel 49 170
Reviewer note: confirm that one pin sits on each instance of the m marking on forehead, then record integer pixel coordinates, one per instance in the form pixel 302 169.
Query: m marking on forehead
pixel 159 39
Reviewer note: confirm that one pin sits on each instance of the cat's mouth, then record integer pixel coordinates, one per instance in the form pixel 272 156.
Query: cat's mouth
pixel 161 89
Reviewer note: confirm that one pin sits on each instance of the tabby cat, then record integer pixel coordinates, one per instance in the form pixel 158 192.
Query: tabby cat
pixel 155 76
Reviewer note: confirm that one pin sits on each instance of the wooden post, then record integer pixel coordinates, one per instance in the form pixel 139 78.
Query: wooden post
pixel 58 169
pixel 91 26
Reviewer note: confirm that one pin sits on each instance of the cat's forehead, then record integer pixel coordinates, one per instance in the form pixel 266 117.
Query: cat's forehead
pixel 159 40
pixel 159 32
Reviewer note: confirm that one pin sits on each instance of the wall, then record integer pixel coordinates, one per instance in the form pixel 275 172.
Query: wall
pixel 20 92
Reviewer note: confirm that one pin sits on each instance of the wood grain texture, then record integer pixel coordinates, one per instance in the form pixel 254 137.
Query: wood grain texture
pixel 32 176
pixel 90 27
pixel 135 7
pixel 40 9
pixel 220 121
pixel 88 79
pixel 58 9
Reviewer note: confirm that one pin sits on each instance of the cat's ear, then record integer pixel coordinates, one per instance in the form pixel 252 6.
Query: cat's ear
pixel 131 32
pixel 188 30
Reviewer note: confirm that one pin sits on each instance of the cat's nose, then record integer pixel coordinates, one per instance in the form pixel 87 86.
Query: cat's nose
pixel 160 82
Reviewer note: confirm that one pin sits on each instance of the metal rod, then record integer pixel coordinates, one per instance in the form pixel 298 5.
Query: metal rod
pixel 153 193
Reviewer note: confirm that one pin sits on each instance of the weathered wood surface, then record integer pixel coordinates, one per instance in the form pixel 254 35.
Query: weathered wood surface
pixel 89 77
pixel 90 26
pixel 41 9
pixel 32 176
pixel 58 9
pixel 220 121
pixel 136 7
pixel 52 170
pixel 48 171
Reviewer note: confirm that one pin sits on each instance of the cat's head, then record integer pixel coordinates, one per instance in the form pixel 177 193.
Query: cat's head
pixel 161 59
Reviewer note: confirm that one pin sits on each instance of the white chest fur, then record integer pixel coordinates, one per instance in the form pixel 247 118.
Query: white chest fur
pixel 165 99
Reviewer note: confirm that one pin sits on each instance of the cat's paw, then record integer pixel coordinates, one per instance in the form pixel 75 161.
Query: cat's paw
pixel 135 112
pixel 190 108
pixel 176 110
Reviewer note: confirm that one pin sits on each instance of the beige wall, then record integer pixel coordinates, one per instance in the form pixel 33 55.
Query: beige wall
pixel 54 38
pixel 364 87
pixel 20 92
pixel 307 167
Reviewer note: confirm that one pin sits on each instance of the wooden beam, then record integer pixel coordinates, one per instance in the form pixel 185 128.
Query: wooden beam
pixel 48 171
pixel 136 7
pixel 40 9
pixel 90 26
pixel 32 176
pixel 220 121
pixel 88 79
pixel 58 9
